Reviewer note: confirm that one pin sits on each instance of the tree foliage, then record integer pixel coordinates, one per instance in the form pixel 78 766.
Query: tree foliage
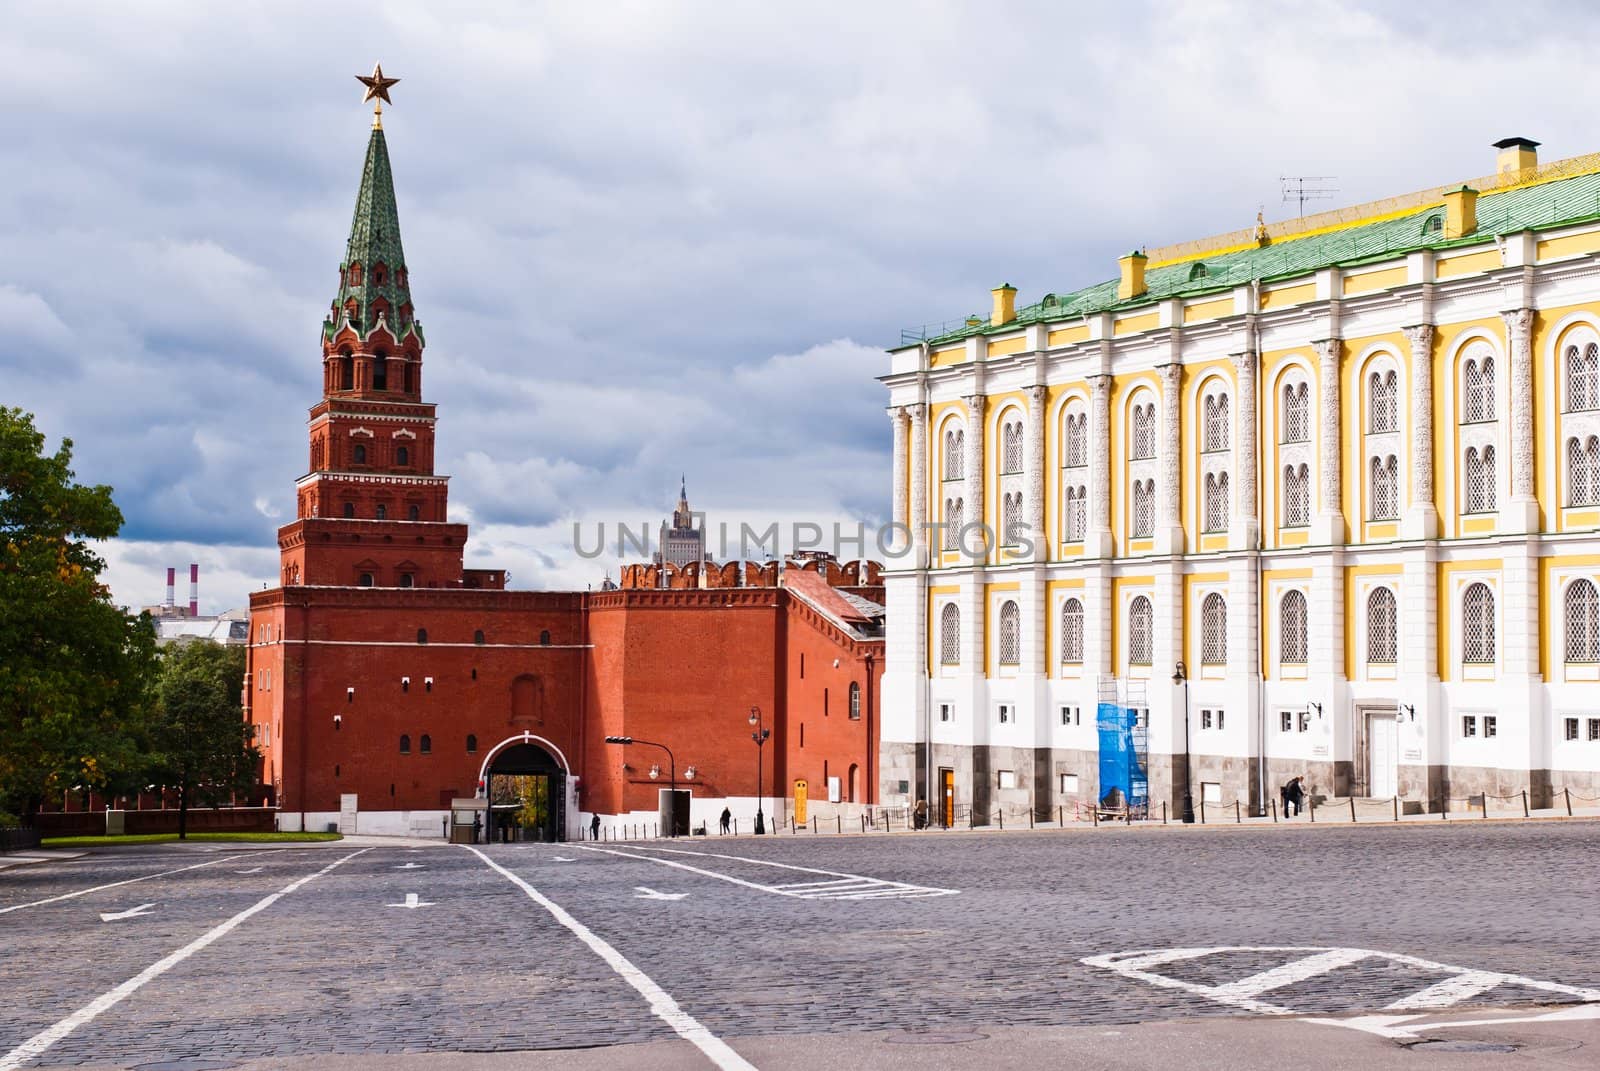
pixel 75 670
pixel 199 741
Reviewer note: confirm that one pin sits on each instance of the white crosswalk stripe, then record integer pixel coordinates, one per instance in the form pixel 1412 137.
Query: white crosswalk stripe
pixel 833 885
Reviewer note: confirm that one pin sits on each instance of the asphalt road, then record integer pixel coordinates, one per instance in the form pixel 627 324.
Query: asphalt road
pixel 934 949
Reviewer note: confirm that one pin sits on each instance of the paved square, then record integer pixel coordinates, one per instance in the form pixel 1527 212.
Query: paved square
pixel 214 957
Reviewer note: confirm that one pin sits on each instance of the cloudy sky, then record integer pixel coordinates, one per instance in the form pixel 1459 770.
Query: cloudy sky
pixel 652 238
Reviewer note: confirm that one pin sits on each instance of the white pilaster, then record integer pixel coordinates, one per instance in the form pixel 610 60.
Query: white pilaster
pixel 975 519
pixel 1098 544
pixel 1421 519
pixel 1034 473
pixel 1245 526
pixel 919 484
pixel 1522 512
pixel 1169 529
pixel 1328 527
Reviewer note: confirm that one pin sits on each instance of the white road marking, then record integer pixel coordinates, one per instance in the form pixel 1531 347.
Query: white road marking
pixel 683 1024
pixel 252 870
pixel 412 901
pixel 44 1039
pixel 119 884
pixel 1462 984
pixel 131 913
pixel 562 859
pixel 644 892
pixel 841 887
pixel 411 866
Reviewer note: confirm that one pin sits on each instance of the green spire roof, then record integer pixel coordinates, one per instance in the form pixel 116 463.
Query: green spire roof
pixel 374 243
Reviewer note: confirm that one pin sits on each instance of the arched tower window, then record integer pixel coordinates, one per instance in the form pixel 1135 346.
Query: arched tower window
pixel 402 456
pixel 1072 632
pixel 1296 413
pixel 1292 632
pixel 1143 444
pixel 950 635
pixel 359 454
pixel 425 744
pixel 1382 627
pixel 855 701
pixel 380 371
pixel 1383 394
pixel 1216 423
pixel 954 454
pixel 413 512
pixel 1583 377
pixel 472 744
pixel 405 744
pixel 1010 634
pixel 1477 624
pixel 1582 604
pixel 1214 630
pixel 1478 388
pixel 382 512
pixel 1011 443
pixel 1141 627
pixel 422 635
pixel 347 370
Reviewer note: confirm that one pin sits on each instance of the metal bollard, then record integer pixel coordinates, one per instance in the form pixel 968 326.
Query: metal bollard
pixel 1163 812
pixel 1313 801
pixel 1568 793
pixel 1274 811
pixel 813 823
pixel 1030 817
pixel 1236 819
pixel 1202 809
pixel 1484 801
pixel 1525 812
pixel 1397 808
pixel 1001 816
pixel 1061 814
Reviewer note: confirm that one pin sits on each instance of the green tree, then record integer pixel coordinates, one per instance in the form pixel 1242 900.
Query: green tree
pixel 199 742
pixel 75 670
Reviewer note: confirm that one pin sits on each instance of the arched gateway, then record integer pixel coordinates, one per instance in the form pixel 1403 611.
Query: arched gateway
pixel 525 781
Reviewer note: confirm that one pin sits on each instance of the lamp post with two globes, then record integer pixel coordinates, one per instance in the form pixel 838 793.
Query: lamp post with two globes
pixel 760 737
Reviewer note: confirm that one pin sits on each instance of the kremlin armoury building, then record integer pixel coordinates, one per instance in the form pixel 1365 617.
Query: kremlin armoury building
pixel 386 680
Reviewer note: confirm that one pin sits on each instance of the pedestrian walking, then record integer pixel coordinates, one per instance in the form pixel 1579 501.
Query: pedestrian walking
pixel 477 826
pixel 727 820
pixel 1294 795
pixel 594 828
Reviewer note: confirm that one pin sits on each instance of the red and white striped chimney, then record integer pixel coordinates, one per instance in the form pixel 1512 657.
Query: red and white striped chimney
pixel 172 588
pixel 194 589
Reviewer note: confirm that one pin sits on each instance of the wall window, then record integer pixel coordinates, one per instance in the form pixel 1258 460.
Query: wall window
pixel 1008 778
pixel 1491 726
pixel 1292 627
pixel 1215 423
pixel 349 509
pixel 1143 443
pixel 1570 726
pixel 360 454
pixel 1011 446
pixel 1594 728
pixel 1383 393
pixel 1141 625
pixel 1385 490
pixel 1216 502
pixel 1071 716
pixel 1480 480
pixel 1478 388
pixel 413 513
pixel 425 744
pixel 405 744
pixel 366 580
pixel 1469 725
pixel 1296 496
pixel 1010 634
pixel 1010 518
pixel 947 712
pixel 1583 378
pixel 953 510
pixel 1582 605
pixel 544 637
pixel 1077 520
pixel 1296 413
pixel 950 635
pixel 1144 508
pixel 422 635
pixel 954 454
pixel 1477 624
pixel 1069 784
pixel 382 512
pixel 855 701
pixel 472 744
pixel 1005 713
pixel 1072 632
pixel 1214 630
pixel 1583 471
pixel 1382 627
pixel 1077 445
pixel 1285 721
pixel 402 456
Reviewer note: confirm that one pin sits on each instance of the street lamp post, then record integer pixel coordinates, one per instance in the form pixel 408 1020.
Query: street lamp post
pixel 672 771
pixel 760 737
pixel 1180 675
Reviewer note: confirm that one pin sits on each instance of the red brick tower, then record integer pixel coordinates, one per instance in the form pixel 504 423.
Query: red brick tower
pixel 371 511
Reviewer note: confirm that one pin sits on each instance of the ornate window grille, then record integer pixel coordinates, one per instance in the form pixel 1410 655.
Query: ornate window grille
pixel 1216 502
pixel 955 454
pixel 1477 624
pixel 1077 513
pixel 1144 431
pixel 1296 496
pixel 1383 396
pixel 1077 440
pixel 1011 442
pixel 1216 423
pixel 1583 377
pixel 1141 624
pixel 950 635
pixel 1214 630
pixel 1010 634
pixel 1010 518
pixel 1144 508
pixel 953 510
pixel 1382 627
pixel 1385 488
pixel 1292 627
pixel 1480 480
pixel 1479 381
pixel 1583 622
pixel 1072 632
pixel 1296 413
pixel 1583 472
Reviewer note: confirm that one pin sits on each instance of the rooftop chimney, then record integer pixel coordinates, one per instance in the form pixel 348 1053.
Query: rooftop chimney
pixel 194 589
pixel 1005 304
pixel 1516 154
pixel 1460 212
pixel 1131 284
pixel 172 588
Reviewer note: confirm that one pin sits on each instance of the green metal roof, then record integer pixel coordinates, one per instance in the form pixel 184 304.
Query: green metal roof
pixel 1541 205
pixel 374 240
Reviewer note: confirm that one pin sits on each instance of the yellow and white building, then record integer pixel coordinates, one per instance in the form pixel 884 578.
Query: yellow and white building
pixel 1345 468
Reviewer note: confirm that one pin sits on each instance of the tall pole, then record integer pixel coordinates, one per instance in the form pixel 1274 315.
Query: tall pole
pixel 1188 761
pixel 760 737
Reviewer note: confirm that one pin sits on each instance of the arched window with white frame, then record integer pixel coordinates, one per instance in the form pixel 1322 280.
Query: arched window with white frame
pixel 1292 630
pixel 1382 627
pixel 1296 496
pixel 1141 629
pixel 1583 471
pixel 1296 413
pixel 1214 630
pixel 1478 402
pixel 1215 423
pixel 955 452
pixel 1142 445
pixel 1582 367
pixel 1385 488
pixel 1477 624
pixel 950 635
pixel 1144 508
pixel 1383 402
pixel 1582 618
pixel 1010 518
pixel 1011 442
pixel 1479 466
pixel 954 509
pixel 1077 439
pixel 1072 632
pixel 1077 513
pixel 1216 502
pixel 1010 633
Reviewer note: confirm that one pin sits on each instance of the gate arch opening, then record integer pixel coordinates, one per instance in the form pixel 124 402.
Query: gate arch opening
pixel 524 779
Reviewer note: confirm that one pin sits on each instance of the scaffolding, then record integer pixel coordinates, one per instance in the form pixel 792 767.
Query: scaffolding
pixel 1123 721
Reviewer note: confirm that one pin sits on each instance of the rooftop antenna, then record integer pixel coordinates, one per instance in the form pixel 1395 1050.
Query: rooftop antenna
pixel 1303 188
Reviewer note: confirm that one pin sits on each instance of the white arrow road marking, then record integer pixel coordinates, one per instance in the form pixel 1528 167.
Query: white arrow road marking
pixel 410 866
pixel 647 893
pixel 562 859
pixel 252 870
pixel 412 902
pixel 129 881
pixel 132 912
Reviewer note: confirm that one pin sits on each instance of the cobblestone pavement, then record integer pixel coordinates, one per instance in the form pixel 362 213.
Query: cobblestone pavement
pixel 780 936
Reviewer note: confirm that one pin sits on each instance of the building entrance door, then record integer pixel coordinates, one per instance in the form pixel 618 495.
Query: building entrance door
pixel 527 792
pixel 1383 755
pixel 947 797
